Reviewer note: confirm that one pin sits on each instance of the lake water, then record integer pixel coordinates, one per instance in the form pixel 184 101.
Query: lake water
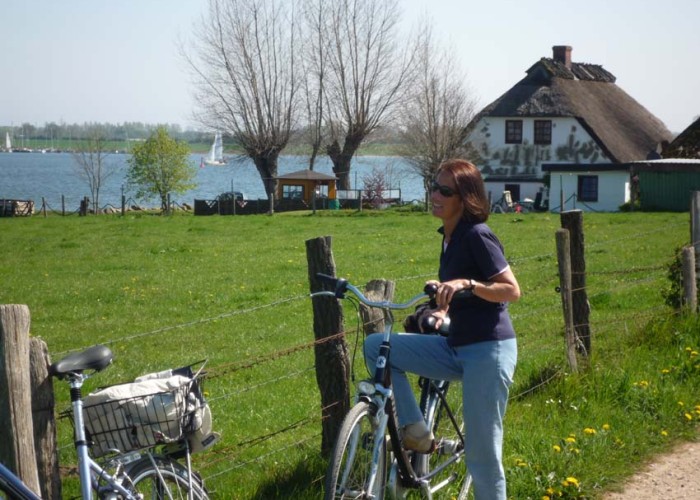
pixel 33 176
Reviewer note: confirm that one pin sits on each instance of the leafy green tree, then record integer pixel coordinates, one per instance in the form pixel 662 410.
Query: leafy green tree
pixel 159 166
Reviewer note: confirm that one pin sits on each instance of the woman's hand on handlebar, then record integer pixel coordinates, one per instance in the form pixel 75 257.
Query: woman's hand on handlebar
pixel 447 290
pixel 431 320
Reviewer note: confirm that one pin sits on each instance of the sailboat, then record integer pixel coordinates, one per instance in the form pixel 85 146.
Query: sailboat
pixel 8 142
pixel 216 154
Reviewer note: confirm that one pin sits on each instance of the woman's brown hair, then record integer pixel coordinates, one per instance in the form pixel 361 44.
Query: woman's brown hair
pixel 471 188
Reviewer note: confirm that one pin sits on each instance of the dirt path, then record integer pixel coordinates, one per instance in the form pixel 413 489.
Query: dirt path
pixel 672 475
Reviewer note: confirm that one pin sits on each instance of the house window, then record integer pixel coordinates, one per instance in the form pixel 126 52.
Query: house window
pixel 293 192
pixel 587 188
pixel 514 131
pixel 543 131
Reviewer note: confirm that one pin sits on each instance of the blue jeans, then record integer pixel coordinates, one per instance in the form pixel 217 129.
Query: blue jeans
pixel 486 372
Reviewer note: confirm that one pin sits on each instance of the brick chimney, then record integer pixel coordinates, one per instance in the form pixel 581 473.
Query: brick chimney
pixel 562 54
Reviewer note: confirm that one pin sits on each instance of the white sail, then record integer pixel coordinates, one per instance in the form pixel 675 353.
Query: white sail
pixel 216 153
pixel 8 143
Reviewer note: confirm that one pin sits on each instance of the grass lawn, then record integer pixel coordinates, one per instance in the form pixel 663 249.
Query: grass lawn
pixel 165 291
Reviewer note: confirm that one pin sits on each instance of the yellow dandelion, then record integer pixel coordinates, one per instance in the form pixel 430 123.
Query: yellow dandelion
pixel 570 440
pixel 643 384
pixel 556 448
pixel 693 354
pixel 688 349
pixel 546 497
pixel 572 480
pixel 665 371
pixel 681 403
pixel 575 451
pixel 664 433
pixel 590 431
pixel 550 491
pixel 688 416
pixel 606 427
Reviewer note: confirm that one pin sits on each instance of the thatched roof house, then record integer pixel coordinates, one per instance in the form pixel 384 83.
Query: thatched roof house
pixel 557 87
pixel 686 145
pixel 561 113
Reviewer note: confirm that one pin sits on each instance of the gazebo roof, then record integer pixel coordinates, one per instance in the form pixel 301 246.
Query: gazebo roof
pixel 307 175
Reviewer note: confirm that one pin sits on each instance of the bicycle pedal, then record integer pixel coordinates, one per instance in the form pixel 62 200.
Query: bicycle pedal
pixel 448 446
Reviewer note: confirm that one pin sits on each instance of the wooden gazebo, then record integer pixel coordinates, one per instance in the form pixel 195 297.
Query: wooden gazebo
pixel 302 185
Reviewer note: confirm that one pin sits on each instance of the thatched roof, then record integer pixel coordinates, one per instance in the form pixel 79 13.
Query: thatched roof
pixel 687 144
pixel 623 128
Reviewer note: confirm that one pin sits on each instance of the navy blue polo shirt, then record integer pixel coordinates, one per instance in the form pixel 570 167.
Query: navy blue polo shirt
pixel 474 252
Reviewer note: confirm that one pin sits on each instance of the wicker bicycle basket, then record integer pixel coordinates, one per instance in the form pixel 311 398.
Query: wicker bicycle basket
pixel 157 411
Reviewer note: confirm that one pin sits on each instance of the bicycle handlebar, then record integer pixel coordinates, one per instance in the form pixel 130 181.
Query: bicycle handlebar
pixel 341 286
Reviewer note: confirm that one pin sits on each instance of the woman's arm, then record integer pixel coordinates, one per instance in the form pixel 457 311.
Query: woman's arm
pixel 502 287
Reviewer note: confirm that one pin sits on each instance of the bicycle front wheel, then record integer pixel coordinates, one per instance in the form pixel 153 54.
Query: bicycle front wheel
pixel 351 464
pixel 164 478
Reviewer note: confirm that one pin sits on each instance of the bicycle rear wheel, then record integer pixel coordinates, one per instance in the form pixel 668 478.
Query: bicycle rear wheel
pixel 164 478
pixel 349 470
pixel 446 419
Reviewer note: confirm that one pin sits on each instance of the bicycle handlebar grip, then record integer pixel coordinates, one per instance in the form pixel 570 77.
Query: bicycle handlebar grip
pixel 431 289
pixel 339 284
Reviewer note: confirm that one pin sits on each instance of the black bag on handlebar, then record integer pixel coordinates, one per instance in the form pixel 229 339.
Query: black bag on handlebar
pixel 411 322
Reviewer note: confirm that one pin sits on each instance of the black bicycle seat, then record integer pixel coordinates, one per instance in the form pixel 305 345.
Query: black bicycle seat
pixel 95 358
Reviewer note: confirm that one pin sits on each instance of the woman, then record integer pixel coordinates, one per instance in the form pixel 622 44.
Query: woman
pixel 480 349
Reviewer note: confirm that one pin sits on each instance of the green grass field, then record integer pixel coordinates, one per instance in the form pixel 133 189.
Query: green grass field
pixel 166 291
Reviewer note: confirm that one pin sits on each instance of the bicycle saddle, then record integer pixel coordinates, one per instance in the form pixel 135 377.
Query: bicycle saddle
pixel 95 358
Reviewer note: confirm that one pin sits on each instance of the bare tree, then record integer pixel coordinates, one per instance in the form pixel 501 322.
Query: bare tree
pixel 91 165
pixel 366 68
pixel 245 75
pixel 434 123
pixel 314 64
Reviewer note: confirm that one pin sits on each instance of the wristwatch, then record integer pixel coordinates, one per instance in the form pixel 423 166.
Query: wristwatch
pixel 472 285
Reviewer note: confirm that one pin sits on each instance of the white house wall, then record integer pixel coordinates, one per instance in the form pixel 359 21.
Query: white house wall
pixel 571 143
pixel 613 191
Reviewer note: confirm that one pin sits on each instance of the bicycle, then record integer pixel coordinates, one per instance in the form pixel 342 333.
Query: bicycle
pixel 143 469
pixel 358 466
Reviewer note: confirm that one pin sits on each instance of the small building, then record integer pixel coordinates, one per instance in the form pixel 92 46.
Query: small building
pixel 304 185
pixel 598 187
pixel 667 184
pixel 686 144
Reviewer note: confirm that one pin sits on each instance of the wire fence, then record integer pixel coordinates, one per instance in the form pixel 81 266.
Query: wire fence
pixel 541 343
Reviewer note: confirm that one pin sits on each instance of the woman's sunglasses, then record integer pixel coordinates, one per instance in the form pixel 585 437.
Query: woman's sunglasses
pixel 445 191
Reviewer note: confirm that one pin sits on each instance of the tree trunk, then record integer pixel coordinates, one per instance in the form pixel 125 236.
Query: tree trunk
pixel 267 168
pixel 342 159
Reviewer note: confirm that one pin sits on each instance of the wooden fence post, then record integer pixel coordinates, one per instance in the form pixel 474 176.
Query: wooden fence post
pixel 17 445
pixel 695 228
pixel 330 350
pixel 573 221
pixel 43 405
pixel 564 260
pixel 690 294
pixel 373 319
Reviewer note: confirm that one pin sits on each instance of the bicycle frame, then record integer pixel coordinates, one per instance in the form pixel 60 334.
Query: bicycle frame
pixel 90 471
pixel 12 485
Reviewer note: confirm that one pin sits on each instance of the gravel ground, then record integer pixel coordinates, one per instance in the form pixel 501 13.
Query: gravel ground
pixel 672 475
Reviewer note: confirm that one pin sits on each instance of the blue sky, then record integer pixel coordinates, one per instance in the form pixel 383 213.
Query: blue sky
pixel 78 61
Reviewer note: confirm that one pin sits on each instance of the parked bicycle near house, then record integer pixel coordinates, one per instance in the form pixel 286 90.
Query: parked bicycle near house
pixel 365 462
